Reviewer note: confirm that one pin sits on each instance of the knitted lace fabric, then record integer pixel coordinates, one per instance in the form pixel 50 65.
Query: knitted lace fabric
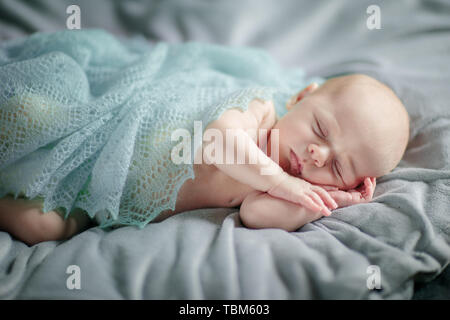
pixel 86 118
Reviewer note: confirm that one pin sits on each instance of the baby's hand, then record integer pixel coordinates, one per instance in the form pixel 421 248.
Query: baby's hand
pixel 362 194
pixel 299 191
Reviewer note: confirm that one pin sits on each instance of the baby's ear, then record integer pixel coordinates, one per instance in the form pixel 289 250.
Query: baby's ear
pixel 300 95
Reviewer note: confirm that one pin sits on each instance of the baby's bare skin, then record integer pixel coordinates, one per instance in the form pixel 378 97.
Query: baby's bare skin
pixel 354 121
pixel 211 187
pixel 24 219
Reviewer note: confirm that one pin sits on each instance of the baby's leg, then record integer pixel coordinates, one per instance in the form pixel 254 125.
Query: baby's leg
pixel 25 220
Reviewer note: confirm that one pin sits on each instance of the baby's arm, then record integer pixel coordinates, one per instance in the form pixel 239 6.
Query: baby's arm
pixel 261 210
pixel 264 175
pixel 236 122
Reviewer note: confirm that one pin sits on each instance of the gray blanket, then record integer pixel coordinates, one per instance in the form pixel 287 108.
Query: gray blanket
pixel 379 250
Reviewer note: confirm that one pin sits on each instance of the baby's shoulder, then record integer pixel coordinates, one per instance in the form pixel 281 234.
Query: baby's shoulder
pixel 264 111
pixel 260 114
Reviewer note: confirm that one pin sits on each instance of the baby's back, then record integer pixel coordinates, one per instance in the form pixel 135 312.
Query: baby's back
pixel 211 188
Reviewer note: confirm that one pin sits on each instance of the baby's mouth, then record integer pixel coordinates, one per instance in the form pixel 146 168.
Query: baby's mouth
pixel 296 167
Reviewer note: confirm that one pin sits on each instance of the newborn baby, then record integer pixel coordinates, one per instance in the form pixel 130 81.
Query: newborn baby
pixel 96 149
pixel 341 135
pixel 334 138
pixel 347 132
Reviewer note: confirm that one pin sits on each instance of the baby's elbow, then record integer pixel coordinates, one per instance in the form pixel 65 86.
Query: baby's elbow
pixel 257 214
pixel 248 213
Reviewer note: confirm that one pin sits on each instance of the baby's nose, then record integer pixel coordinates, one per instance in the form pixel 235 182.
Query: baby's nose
pixel 318 154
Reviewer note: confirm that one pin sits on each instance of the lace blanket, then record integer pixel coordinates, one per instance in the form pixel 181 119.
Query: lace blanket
pixel 86 118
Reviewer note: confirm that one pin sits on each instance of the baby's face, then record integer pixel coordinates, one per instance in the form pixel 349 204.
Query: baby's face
pixel 331 137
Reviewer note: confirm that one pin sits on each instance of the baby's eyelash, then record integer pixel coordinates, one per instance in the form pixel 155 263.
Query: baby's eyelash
pixel 321 135
pixel 337 170
pixel 334 168
pixel 320 129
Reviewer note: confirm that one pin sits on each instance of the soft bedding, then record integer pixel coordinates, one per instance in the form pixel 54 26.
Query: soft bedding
pixel 396 247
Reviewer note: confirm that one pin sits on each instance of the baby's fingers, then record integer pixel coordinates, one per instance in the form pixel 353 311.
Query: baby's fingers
pixel 310 204
pixel 357 197
pixel 369 188
pixel 342 198
pixel 315 197
pixel 326 197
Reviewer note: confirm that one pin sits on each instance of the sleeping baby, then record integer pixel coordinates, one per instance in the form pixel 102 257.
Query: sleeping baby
pixel 66 165
pixel 340 136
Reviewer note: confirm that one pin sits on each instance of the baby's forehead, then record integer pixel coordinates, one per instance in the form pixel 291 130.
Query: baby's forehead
pixel 356 102
pixel 355 95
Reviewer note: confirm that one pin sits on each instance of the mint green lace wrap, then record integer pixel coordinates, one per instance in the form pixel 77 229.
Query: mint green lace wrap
pixel 86 118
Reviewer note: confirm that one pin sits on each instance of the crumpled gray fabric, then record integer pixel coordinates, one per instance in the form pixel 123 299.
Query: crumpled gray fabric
pixel 207 254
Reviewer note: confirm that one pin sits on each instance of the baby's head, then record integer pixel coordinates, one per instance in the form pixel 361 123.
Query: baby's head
pixel 349 128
